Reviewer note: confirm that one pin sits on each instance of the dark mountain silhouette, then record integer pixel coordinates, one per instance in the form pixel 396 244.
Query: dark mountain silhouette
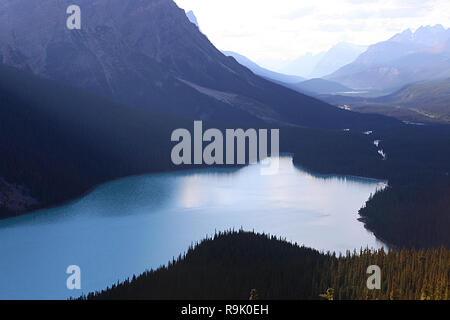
pixel 148 54
pixel 405 58
pixel 55 147
pixel 260 71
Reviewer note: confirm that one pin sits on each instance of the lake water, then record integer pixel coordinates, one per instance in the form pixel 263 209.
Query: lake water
pixel 127 226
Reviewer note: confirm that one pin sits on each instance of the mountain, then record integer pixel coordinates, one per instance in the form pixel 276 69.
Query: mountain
pixel 426 94
pixel 429 36
pixel 419 102
pixel 430 99
pixel 148 54
pixel 322 86
pixel 324 63
pixel 338 56
pixel 192 18
pixel 304 65
pixel 260 71
pixel 407 57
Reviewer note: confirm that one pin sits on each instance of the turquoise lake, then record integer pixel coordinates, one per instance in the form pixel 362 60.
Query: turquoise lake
pixel 127 226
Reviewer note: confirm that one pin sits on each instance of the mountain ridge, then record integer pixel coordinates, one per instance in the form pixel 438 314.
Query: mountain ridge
pixel 325 62
pixel 263 72
pixel 404 58
pixel 416 102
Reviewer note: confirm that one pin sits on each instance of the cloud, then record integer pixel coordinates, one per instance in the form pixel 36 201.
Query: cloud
pixel 388 13
pixel 298 13
pixel 395 13
pixel 267 30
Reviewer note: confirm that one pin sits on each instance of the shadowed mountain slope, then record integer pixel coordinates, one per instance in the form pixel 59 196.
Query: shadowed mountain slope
pixel 148 54
pixel 432 99
pixel 419 102
pixel 56 147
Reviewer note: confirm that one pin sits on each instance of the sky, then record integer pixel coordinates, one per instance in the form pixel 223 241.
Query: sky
pixel 272 31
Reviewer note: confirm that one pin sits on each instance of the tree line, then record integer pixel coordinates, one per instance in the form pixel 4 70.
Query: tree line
pixel 236 265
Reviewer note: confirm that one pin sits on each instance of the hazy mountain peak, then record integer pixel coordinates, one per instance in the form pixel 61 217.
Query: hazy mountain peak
pixel 406 57
pixel 405 35
pixel 192 18
pixel 424 35
pixel 435 28
pixel 323 63
pixel 339 55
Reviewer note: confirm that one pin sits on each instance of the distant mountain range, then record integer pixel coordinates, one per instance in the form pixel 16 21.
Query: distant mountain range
pixel 407 57
pixel 265 73
pixel 304 65
pixel 254 67
pixel 312 87
pixel 324 63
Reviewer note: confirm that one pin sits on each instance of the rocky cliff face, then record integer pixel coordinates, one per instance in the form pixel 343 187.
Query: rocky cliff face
pixel 130 50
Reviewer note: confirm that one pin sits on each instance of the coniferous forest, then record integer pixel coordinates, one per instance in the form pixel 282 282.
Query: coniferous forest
pixel 236 265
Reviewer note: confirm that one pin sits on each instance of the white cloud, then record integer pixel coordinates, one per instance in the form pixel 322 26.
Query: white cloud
pixel 266 30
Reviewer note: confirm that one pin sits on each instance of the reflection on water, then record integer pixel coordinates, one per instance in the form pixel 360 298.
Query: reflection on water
pixel 132 224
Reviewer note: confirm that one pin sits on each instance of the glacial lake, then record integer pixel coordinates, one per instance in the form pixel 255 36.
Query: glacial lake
pixel 127 226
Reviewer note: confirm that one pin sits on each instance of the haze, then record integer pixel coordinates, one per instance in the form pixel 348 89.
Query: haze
pixel 270 32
